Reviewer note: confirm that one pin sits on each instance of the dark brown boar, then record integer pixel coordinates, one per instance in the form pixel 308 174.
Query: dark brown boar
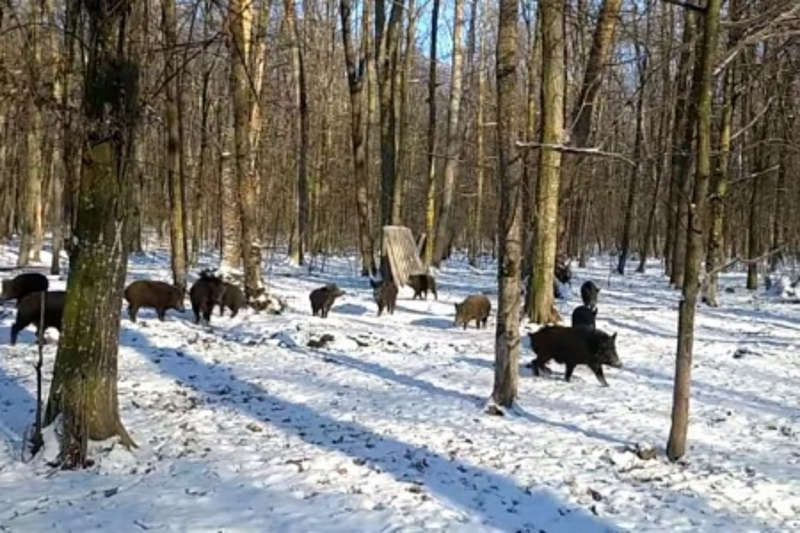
pixel 322 299
pixel 572 347
pixel 23 284
pixel 232 298
pixel 156 294
pixel 475 307
pixel 422 283
pixel 385 294
pixel 29 312
pixel 205 294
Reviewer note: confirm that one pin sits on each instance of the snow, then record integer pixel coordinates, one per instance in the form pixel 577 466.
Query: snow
pixel 243 427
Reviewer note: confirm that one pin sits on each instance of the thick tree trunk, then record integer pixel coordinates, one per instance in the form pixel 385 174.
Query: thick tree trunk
pixel 702 94
pixel 509 221
pixel 553 85
pixel 453 143
pixel 430 197
pixel 356 78
pixel 84 387
pixel 169 27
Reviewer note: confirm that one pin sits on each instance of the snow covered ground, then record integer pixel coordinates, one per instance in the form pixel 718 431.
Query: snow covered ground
pixel 243 427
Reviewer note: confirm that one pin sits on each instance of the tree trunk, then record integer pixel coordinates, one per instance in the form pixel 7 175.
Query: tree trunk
pixel 602 45
pixel 529 156
pixel 300 233
pixel 453 143
pixel 507 341
pixel 684 129
pixel 169 26
pixel 553 85
pixel 387 42
pixel 84 387
pixel 356 77
pixel 702 95
pixel 240 16
pixel 430 197
pixel 480 148
pixel 31 193
pixel 716 244
pixel 642 58
pixel 405 157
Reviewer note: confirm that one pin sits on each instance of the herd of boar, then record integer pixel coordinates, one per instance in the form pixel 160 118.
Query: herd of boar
pixel 580 344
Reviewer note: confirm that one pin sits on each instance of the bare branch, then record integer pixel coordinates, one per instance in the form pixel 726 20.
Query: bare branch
pixel 754 120
pixel 577 151
pixel 686 5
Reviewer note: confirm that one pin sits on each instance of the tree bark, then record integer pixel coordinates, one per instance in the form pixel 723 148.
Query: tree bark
pixel 453 143
pixel 507 339
pixel 84 387
pixel 703 94
pixel 169 27
pixel 553 85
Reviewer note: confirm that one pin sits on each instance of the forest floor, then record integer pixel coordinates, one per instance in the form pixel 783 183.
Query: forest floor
pixel 243 427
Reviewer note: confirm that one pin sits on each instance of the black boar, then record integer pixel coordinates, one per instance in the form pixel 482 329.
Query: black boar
pixel 475 307
pixel 29 312
pixel 156 294
pixel 422 283
pixel 572 347
pixel 205 294
pixel 23 284
pixel 232 298
pixel 583 317
pixel 322 299
pixel 589 292
pixel 385 294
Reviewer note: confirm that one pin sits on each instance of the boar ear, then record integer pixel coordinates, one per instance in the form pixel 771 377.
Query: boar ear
pixel 614 336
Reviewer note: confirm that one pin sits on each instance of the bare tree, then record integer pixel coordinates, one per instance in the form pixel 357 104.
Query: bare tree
pixel 506 347
pixel 703 95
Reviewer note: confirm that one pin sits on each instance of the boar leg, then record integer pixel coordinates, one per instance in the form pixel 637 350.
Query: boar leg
pixel 161 313
pixel 570 369
pixel 132 312
pixel 598 371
